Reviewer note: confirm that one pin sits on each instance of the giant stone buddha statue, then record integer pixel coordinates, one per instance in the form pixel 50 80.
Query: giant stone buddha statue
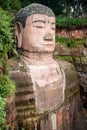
pixel 47 92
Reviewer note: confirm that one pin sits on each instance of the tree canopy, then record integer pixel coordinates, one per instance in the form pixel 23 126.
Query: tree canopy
pixel 65 8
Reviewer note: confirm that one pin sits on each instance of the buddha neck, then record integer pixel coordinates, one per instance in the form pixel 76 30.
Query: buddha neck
pixel 36 58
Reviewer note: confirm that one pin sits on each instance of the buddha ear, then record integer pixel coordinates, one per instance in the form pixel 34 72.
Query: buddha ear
pixel 18 33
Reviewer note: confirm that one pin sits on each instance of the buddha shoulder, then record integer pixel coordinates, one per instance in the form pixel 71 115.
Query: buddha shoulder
pixel 71 77
pixel 19 71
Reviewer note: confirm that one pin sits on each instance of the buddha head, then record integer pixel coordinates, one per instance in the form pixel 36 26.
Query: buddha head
pixel 35 29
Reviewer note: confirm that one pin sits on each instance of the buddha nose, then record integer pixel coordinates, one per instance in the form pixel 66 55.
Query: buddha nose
pixel 48 37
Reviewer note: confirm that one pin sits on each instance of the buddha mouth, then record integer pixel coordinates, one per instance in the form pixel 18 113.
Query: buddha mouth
pixel 48 45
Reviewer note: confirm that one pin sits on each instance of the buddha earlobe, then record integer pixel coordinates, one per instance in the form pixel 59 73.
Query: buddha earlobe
pixel 18 33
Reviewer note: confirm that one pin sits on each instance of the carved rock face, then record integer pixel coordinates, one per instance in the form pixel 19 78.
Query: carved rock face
pixel 39 34
pixel 38 38
pixel 48 84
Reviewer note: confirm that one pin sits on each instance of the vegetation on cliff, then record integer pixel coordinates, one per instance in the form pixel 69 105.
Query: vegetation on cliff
pixel 7 87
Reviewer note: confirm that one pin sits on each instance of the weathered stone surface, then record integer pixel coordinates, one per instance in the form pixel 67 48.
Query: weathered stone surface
pixel 11 113
pixel 25 104
pixel 26 108
pixel 82 74
pixel 76 32
pixel 61 50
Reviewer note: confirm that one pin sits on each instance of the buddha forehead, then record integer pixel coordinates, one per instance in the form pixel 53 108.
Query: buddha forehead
pixel 31 10
pixel 38 18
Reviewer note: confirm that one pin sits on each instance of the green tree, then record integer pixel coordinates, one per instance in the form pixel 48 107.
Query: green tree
pixel 6 37
pixel 10 5
pixel 68 8
pixel 7 87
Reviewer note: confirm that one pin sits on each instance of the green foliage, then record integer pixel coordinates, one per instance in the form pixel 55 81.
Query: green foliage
pixel 6 38
pixel 65 22
pixel 3 126
pixel 70 42
pixel 7 87
pixel 2 111
pixel 22 128
pixel 65 8
pixel 66 58
pixel 10 5
pixel 4 66
pixel 16 5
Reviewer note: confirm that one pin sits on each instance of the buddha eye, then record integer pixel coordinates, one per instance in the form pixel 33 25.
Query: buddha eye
pixel 39 26
pixel 53 28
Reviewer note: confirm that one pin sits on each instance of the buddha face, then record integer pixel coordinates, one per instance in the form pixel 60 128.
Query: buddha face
pixel 38 35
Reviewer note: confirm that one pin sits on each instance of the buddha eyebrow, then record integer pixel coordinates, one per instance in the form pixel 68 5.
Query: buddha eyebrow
pixel 53 23
pixel 39 21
